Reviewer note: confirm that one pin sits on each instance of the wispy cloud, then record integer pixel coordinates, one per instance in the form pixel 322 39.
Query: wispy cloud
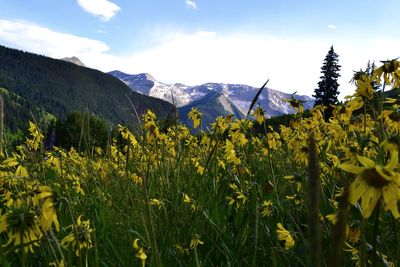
pixel 332 27
pixel 191 4
pixel 38 39
pixel 103 9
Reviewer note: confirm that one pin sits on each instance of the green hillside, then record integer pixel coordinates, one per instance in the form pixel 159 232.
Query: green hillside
pixel 40 83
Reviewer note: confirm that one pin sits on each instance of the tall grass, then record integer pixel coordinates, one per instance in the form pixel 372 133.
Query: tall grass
pixel 227 197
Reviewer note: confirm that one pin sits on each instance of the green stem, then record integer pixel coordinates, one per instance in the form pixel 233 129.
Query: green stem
pixel 380 109
pixel 375 234
pixel 153 240
pixel 196 257
pixel 363 255
pixel 339 231
pixel 314 231
pixel 365 116
pixel 23 254
pixel 254 263
pixel 270 165
pixel 396 239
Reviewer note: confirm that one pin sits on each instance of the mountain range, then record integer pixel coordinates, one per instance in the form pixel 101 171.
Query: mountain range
pixel 212 99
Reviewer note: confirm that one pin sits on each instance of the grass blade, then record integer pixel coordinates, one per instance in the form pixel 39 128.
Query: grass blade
pixel 255 98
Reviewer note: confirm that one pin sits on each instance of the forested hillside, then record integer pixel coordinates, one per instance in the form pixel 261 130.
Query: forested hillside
pixel 41 83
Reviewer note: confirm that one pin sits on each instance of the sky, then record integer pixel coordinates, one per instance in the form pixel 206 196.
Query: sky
pixel 199 41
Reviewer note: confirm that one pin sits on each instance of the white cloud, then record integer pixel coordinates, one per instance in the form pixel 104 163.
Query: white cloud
pixel 332 27
pixel 100 8
pixel 34 38
pixel 291 64
pixel 191 4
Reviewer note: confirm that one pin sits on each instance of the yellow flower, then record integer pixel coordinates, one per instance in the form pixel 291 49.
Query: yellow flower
pixel 127 135
pixel 37 137
pixel 332 218
pixel 48 216
pixel 374 182
pixel 149 119
pixel 58 264
pixel 220 125
pixel 197 165
pixel 259 114
pixel 156 202
pixel 53 161
pixel 239 198
pixel 364 87
pixel 390 71
pixel 239 138
pixel 353 234
pixel 186 198
pixel 16 160
pixel 296 179
pixel 140 252
pixel 230 153
pixel 195 116
pixel 296 199
pixel 182 250
pixel 196 241
pixel 80 237
pixel 22 227
pixel 355 103
pixel 191 202
pixel 266 208
pixel 295 103
pixel 284 235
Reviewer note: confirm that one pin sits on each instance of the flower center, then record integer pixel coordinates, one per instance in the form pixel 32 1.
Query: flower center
pixel 373 178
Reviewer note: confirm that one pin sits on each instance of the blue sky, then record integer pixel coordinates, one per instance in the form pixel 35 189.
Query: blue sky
pixel 198 41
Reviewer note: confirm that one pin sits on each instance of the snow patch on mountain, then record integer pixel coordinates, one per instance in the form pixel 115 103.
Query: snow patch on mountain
pixel 225 103
pixel 239 95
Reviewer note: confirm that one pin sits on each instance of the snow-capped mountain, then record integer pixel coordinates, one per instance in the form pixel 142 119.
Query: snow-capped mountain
pixel 239 95
pixel 177 93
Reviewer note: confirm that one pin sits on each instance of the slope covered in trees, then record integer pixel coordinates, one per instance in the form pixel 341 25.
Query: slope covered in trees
pixel 61 87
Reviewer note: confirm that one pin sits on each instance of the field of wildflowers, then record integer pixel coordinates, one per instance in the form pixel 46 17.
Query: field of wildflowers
pixel 318 193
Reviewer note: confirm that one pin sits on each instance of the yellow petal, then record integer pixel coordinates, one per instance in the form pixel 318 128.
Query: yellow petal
pixel 351 168
pixel 394 159
pixel 366 162
pixel 3 224
pixel 357 189
pixel 135 244
pixel 390 198
pixel 369 200
pixel 386 174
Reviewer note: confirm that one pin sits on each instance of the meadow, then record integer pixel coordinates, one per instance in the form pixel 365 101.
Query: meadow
pixel 319 192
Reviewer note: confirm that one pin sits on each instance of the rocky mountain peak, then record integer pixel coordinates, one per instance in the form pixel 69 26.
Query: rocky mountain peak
pixel 74 60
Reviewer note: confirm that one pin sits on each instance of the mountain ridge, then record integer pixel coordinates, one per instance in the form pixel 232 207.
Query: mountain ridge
pixel 240 95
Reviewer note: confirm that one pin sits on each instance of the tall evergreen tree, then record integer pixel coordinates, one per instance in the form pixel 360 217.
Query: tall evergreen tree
pixel 327 91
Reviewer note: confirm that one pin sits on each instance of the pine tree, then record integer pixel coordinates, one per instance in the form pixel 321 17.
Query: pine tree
pixel 327 91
